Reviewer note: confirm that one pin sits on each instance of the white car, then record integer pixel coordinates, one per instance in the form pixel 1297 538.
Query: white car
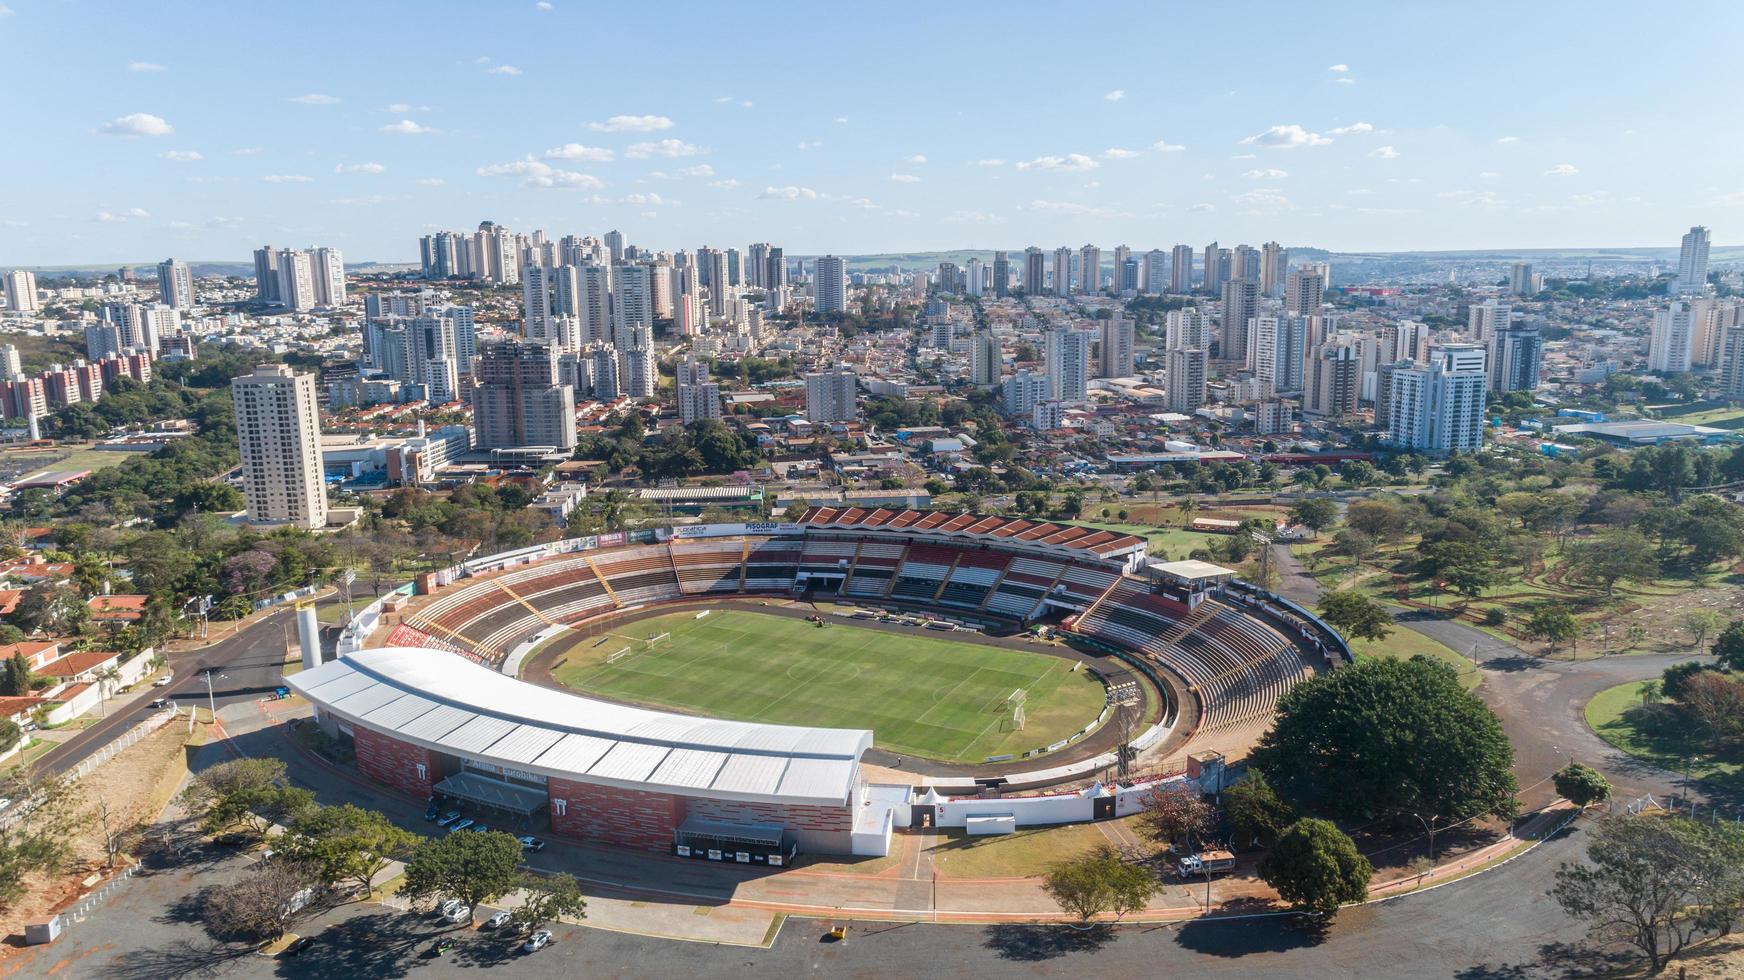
pixel 449 906
pixel 458 914
pixel 538 941
pixel 164 681
pixel 4 803
pixel 497 921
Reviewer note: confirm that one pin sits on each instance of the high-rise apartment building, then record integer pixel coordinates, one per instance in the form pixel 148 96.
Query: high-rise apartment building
pixel 1669 345
pixel 1181 269
pixel 1439 408
pixel 1062 271
pixel 1274 269
pixel 698 397
pixel 21 291
pixel 1332 378
pixel 1304 290
pixel 985 359
pixel 278 426
pixel 1185 384
pixel 327 269
pixel 830 395
pixel 266 274
pixel 1001 273
pixel 1090 270
pixel 1522 281
pixel 1115 358
pixel 1153 272
pixel 175 283
pixel 1187 328
pixel 1515 354
pixel 1066 356
pixel 830 286
pixel 632 303
pixel 1732 364
pixel 1278 353
pixel 517 400
pixel 1241 303
pixel 1035 271
pixel 536 283
pixel 1692 263
pixel 296 281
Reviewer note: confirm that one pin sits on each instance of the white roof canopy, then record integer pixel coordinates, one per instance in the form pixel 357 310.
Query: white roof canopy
pixel 450 704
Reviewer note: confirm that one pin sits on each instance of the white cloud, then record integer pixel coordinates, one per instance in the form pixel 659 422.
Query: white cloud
pixel 631 124
pixel 6 11
pixel 1509 139
pixel 145 66
pixel 359 168
pixel 183 156
pixel 1270 173
pixel 287 178
pixel 841 119
pixel 810 144
pixel 725 183
pixel 431 181
pixel 700 170
pixel 1076 208
pixel 1352 130
pixel 1384 153
pixel 905 178
pixel 1340 68
pixel 1117 153
pixel 1562 170
pixel 543 5
pixel 538 174
pixel 503 70
pixel 1164 146
pixel 248 151
pixel 648 200
pixel 315 98
pixel 576 151
pixel 917 158
pixel 1488 174
pixel 1203 208
pixel 1262 200
pixel 1116 95
pixel 1071 162
pixel 1345 80
pixel 137 124
pixel 108 217
pixel 662 148
pixel 1286 137
pixel 788 193
pixel 407 127
pixel 990 162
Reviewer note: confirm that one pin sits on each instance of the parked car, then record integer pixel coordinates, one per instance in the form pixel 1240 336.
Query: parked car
pixel 497 921
pixel 448 818
pixel 458 914
pixel 449 906
pixel 432 811
pixel 165 681
pixel 300 946
pixel 533 844
pixel 456 828
pixel 538 941
pixel 479 828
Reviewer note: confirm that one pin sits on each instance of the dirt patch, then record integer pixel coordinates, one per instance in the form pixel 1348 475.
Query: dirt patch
pixel 136 785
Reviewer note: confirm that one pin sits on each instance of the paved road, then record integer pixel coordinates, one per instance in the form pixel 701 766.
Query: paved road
pixel 250 663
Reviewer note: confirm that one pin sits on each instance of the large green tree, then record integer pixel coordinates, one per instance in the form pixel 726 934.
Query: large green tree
pixel 1383 736
pixel 474 868
pixel 1255 810
pixel 347 844
pixel 1355 614
pixel 1100 881
pixel 545 898
pixel 1316 867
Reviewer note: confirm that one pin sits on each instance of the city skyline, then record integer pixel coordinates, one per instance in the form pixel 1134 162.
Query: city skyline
pixel 1331 133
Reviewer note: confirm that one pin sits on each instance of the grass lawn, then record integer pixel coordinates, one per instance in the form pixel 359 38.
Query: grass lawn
pixel 74 458
pixel 920 695
pixel 1617 716
pixel 1025 853
pixel 1404 644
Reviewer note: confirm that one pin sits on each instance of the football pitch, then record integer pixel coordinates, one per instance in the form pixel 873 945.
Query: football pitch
pixel 932 697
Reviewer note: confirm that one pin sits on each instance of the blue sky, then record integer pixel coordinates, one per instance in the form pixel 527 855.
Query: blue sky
pixel 203 130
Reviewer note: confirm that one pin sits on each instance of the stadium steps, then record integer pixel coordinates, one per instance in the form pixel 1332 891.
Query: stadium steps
pixel 606 585
pixel 945 578
pixel 1043 600
pixel 517 597
pixel 994 589
pixel 744 563
pixel 853 567
pixel 901 560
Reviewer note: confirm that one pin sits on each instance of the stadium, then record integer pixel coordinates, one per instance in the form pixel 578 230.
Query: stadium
pixel 749 692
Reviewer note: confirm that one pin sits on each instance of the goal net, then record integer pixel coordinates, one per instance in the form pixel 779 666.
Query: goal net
pixel 656 638
pixel 613 658
pixel 1016 700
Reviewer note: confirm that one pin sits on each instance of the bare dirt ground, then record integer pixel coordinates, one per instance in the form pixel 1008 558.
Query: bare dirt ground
pixel 136 785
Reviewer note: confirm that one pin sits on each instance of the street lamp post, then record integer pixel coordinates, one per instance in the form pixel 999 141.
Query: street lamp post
pixel 211 699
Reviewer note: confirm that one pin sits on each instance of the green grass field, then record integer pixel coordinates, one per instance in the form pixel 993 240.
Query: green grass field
pixel 920 695
pixel 1617 716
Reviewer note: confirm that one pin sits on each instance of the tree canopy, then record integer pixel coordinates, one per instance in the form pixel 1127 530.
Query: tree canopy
pixel 1386 735
pixel 1316 867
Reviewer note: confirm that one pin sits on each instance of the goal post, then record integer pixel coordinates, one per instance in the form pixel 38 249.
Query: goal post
pixel 1017 699
pixel 656 638
pixel 612 658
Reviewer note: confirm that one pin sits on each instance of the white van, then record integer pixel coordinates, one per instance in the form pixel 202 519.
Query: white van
pixel 1207 862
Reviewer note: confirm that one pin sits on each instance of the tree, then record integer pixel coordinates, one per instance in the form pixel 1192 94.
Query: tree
pixel 230 777
pixel 545 898
pixel 1581 785
pixel 1315 513
pixel 1097 882
pixel 1255 810
pixel 1554 625
pixel 1381 518
pixel 348 844
pixel 1355 614
pixel 1385 735
pixel 1642 884
pixel 1177 813
pixel 1674 678
pixel 1611 558
pixel 15 681
pixel 1700 623
pixel 1729 645
pixel 1716 703
pixel 245 791
pixel 1316 867
pixel 259 907
pixel 474 868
